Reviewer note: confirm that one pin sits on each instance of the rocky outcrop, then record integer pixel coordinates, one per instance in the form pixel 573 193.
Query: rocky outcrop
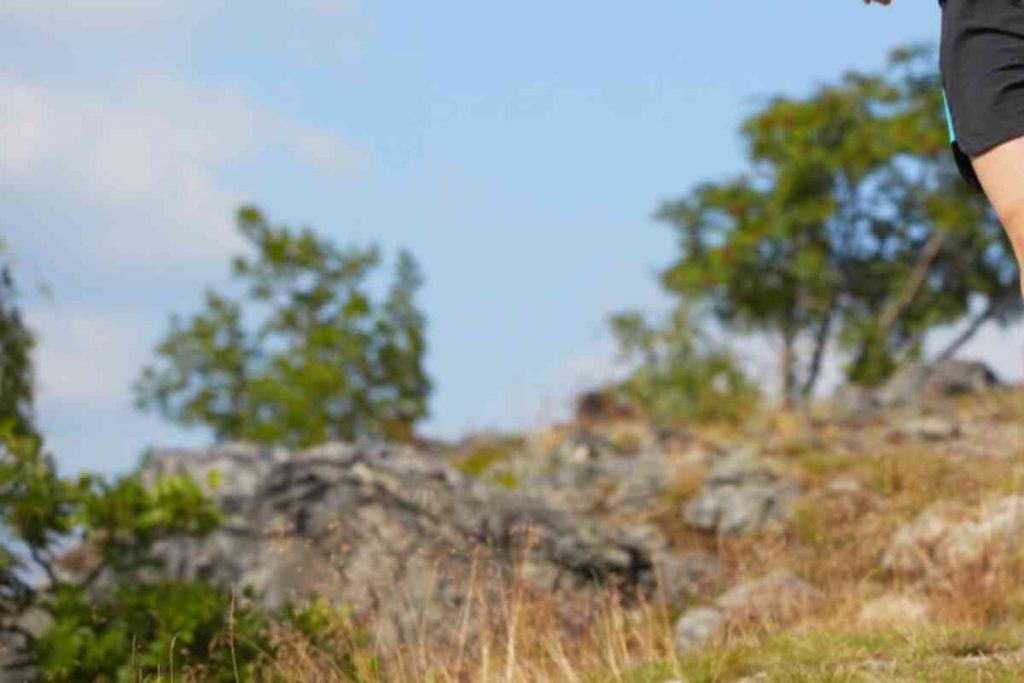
pixel 391 533
pixel 587 473
pixel 946 537
pixel 739 495
pixel 915 385
pixel 918 382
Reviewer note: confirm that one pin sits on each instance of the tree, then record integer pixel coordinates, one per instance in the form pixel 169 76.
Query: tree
pixel 310 355
pixel 16 343
pixel 850 228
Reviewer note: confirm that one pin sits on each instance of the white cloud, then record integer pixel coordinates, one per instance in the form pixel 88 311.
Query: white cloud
pixel 114 180
pixel 147 159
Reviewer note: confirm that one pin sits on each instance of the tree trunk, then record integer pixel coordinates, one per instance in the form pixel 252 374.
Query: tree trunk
pixel 788 370
pixel 820 342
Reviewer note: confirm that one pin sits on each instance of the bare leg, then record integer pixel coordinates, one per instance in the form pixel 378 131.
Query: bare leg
pixel 1001 172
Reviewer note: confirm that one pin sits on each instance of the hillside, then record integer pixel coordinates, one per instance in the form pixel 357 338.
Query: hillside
pixel 874 539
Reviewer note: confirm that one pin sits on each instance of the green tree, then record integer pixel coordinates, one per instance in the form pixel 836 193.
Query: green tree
pixel 16 343
pixel 851 227
pixel 310 355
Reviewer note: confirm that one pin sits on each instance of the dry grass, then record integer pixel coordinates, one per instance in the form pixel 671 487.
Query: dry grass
pixel 975 626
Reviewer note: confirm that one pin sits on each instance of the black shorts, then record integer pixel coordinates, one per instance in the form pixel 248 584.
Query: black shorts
pixel 982 62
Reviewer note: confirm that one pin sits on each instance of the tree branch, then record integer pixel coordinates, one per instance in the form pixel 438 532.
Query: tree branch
pixel 820 342
pixel 912 288
pixel 990 312
pixel 46 565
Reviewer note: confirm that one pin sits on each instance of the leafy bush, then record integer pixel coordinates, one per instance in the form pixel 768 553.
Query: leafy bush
pixel 109 617
pixel 143 629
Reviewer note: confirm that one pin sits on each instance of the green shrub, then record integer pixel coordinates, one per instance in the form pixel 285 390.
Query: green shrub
pixel 679 375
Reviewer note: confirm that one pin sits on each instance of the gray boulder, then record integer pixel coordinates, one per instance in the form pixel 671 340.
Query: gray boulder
pixel 919 382
pixel 946 537
pixel 738 496
pixel 775 597
pixel 699 626
pixel 390 533
pixel 915 385
pixel 587 473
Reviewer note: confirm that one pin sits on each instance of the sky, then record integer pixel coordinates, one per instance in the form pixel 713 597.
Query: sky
pixel 517 149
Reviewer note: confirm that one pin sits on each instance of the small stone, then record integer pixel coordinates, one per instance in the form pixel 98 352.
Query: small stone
pixel 697 627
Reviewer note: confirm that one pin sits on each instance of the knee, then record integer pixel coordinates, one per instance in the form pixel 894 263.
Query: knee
pixel 1011 215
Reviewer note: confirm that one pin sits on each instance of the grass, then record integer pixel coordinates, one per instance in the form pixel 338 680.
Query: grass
pixel 635 646
pixel 975 627
pixel 933 653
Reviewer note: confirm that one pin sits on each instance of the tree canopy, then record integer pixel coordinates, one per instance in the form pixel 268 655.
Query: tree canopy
pixel 850 229
pixel 17 387
pixel 308 355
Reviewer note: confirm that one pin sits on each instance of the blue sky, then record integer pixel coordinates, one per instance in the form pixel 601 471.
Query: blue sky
pixel 518 149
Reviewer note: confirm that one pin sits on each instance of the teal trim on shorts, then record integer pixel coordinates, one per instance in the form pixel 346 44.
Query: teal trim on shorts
pixel 949 117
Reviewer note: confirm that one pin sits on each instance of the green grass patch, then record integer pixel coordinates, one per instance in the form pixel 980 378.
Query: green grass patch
pixel 952 654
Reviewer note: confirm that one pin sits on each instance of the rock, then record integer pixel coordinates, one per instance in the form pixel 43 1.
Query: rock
pixel 390 533
pixel 603 405
pixel 944 537
pixel 894 611
pixel 738 496
pixel 913 547
pixel 697 627
pixel 930 429
pixel 918 382
pixel 588 473
pixel 779 596
pixel 915 385
pixel 691 575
